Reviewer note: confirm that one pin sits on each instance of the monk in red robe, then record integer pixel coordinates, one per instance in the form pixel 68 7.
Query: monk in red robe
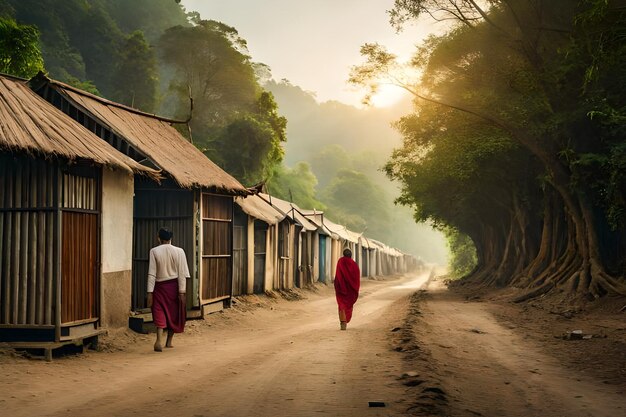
pixel 347 284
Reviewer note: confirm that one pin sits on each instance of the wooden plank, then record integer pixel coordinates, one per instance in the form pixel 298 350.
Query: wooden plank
pixel 15 275
pixel 4 167
pixel 26 326
pixel 57 254
pixel 23 275
pixel 41 272
pixel 32 268
pixel 8 269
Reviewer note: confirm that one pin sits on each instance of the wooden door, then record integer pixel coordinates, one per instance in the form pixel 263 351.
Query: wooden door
pixel 240 261
pixel 217 233
pixel 260 250
pixel 79 248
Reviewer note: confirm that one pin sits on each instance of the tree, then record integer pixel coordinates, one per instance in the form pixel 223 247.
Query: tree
pixel 462 253
pixel 328 162
pixel 19 49
pixel 355 201
pixel 210 59
pixel 537 73
pixel 236 122
pixel 297 184
pixel 136 78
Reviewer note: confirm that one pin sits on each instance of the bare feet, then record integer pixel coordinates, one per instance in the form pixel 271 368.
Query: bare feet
pixel 159 336
pixel 168 342
pixel 344 325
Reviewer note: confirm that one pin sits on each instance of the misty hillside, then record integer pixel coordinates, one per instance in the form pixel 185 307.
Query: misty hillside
pixel 314 125
pixel 151 55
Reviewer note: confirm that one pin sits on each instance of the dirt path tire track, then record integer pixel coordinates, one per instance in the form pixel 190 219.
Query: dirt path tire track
pixel 487 369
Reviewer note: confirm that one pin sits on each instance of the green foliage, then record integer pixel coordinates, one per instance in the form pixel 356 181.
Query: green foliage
pixel 100 46
pixel 88 86
pixel 462 253
pixel 135 78
pixel 234 121
pixel 328 162
pixel 219 73
pixel 297 184
pixel 85 40
pixel 355 201
pixel 19 49
pixel 152 17
pixel 504 102
pixel 248 149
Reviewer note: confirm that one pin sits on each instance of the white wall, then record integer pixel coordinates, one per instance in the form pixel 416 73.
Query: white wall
pixel 117 248
pixel 117 221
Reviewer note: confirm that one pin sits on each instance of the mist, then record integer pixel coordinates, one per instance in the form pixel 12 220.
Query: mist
pixel 334 138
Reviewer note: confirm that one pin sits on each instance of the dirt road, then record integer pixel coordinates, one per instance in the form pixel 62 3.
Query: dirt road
pixel 272 357
pixel 287 359
pixel 492 368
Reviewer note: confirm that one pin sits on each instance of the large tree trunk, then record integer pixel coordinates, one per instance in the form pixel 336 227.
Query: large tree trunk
pixel 577 269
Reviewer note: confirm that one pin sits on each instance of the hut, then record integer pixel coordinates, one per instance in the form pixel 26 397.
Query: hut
pixel 195 198
pixel 257 270
pixel 65 221
pixel 342 238
pixel 303 236
pixel 322 269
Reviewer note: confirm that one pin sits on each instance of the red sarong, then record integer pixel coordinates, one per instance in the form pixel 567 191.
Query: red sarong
pixel 167 310
pixel 347 284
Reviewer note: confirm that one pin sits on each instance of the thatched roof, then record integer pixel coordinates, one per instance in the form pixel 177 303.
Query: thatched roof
pixel 155 137
pixel 258 208
pixel 30 124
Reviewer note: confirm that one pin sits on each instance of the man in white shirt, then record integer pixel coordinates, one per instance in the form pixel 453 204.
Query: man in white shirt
pixel 167 279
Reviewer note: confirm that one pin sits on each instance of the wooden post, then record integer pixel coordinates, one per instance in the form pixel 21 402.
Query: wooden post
pixel 250 256
pixel 58 256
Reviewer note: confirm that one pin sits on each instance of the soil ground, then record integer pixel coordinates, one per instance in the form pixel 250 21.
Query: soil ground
pixel 413 346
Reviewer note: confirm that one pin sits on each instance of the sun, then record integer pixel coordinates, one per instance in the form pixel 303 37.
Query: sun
pixel 387 95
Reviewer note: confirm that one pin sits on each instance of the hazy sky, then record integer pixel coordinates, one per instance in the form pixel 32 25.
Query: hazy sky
pixel 312 43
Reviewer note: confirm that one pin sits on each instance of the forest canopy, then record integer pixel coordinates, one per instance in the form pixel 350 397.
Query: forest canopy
pixel 517 138
pixel 152 55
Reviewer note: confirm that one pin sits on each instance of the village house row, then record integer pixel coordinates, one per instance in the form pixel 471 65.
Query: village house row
pixel 85 183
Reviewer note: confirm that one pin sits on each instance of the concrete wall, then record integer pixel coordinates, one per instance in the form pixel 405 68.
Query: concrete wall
pixel 117 251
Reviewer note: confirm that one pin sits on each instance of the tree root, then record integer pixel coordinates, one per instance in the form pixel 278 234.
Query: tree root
pixel 535 293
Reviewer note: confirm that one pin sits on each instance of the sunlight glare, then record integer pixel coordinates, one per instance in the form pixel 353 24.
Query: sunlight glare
pixel 387 95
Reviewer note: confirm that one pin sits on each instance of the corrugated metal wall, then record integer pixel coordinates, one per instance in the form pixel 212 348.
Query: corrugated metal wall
pixel 217 229
pixel 33 249
pixel 240 253
pixel 260 249
pixel 28 247
pixel 155 207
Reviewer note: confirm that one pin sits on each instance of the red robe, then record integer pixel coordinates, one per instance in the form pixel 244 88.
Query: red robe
pixel 347 284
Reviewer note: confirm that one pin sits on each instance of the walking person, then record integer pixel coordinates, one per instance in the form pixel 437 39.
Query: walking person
pixel 347 284
pixel 167 280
